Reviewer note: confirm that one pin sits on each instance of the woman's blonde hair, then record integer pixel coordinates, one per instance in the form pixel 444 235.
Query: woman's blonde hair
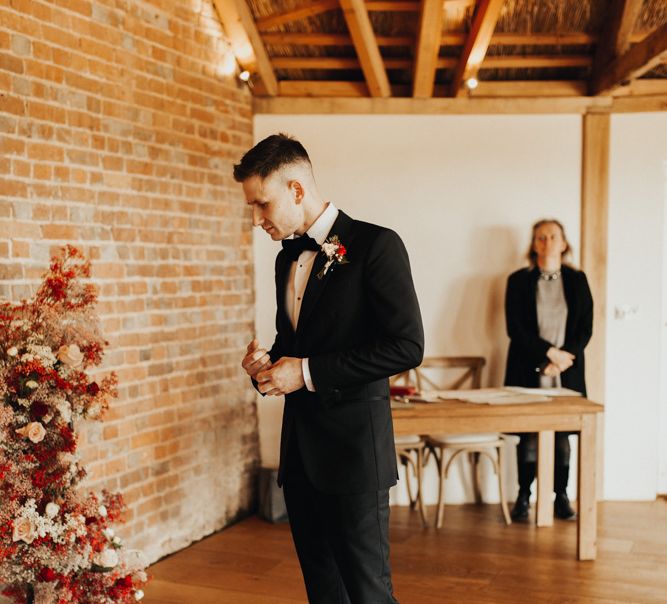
pixel 532 254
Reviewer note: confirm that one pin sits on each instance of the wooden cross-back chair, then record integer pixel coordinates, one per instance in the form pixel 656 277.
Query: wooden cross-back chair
pixel 452 373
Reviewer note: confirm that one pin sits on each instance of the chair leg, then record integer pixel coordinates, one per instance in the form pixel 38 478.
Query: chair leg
pixel 474 462
pixel 420 484
pixel 501 480
pixel 407 463
pixel 441 487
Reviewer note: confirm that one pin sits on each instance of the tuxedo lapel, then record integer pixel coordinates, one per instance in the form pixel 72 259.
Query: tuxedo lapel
pixel 315 286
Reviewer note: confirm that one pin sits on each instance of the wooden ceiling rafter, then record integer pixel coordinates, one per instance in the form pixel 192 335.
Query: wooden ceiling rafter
pixel 247 45
pixel 427 48
pixel 640 59
pixel 477 43
pixel 447 39
pixel 366 46
pixel 495 62
pixel 615 38
pixel 309 10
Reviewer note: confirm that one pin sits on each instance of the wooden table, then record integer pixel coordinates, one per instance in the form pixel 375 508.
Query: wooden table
pixel 560 415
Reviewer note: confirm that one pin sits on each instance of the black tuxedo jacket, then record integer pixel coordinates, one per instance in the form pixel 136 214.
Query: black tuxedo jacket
pixel 527 351
pixel 359 324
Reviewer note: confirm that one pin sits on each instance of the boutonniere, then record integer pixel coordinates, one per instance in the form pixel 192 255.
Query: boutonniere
pixel 335 252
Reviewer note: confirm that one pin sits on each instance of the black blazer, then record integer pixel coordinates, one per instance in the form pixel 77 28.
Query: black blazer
pixel 527 351
pixel 359 324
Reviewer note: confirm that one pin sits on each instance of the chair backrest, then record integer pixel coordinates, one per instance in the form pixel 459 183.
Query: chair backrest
pixel 443 373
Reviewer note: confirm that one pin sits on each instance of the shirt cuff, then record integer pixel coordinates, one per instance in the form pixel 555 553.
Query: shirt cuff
pixel 306 375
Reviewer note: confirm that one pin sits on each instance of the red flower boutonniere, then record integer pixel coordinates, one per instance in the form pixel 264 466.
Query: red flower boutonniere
pixel 335 252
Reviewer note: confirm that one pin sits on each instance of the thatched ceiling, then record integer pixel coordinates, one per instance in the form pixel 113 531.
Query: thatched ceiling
pixel 432 48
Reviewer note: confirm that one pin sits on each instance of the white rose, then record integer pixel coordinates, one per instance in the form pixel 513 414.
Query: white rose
pixel 34 431
pixel 107 558
pixel 108 533
pixel 141 576
pixel 13 351
pixel 70 355
pixel 52 509
pixel 102 511
pixel 65 410
pixel 24 530
pixel 138 595
pixel 32 384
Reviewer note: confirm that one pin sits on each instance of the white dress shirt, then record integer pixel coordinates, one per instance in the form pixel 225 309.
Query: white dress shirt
pixel 300 272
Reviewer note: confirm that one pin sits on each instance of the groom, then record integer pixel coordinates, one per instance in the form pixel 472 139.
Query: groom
pixel 347 319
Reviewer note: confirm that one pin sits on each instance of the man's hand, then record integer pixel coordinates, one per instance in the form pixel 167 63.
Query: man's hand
pixel 284 376
pixel 551 370
pixel 561 358
pixel 255 360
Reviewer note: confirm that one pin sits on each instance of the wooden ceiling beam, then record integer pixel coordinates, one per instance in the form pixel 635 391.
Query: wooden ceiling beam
pixel 534 61
pixel 615 39
pixel 428 47
pixel 447 39
pixel 477 43
pixel 432 106
pixel 641 57
pixel 394 7
pixel 317 88
pixel 547 88
pixel 289 39
pixel 247 46
pixel 495 62
pixel 363 38
pixel 314 8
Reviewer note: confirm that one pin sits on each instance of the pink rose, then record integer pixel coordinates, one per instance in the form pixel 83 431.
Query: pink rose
pixel 70 355
pixel 24 530
pixel 34 431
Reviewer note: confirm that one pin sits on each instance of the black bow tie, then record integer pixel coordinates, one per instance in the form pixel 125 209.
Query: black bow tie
pixel 294 247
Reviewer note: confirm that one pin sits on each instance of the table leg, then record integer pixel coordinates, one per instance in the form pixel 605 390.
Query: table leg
pixel 587 508
pixel 545 478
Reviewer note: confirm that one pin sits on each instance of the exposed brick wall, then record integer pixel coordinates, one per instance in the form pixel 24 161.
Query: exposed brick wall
pixel 118 130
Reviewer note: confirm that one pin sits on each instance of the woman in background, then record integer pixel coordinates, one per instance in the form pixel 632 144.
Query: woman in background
pixel 549 314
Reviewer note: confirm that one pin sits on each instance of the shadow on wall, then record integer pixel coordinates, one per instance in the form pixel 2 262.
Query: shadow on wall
pixel 472 311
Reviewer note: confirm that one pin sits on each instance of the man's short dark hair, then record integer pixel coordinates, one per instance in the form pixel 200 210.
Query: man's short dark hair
pixel 269 155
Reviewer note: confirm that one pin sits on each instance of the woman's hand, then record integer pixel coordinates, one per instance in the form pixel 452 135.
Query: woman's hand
pixel 560 358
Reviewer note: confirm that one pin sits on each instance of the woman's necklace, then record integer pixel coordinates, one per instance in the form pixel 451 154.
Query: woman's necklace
pixel 549 275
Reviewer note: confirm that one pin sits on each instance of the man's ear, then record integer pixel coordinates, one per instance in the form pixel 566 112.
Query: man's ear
pixel 297 189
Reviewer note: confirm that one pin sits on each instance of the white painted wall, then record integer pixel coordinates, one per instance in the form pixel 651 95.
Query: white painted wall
pixel 635 362
pixel 463 192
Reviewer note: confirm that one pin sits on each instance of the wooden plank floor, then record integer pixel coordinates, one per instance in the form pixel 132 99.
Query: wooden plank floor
pixel 474 558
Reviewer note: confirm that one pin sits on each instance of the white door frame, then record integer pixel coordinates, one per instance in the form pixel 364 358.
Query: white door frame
pixel 662 439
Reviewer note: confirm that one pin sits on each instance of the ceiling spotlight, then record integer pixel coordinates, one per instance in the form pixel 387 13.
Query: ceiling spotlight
pixel 244 76
pixel 472 83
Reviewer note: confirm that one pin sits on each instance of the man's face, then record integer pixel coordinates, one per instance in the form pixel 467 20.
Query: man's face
pixel 276 204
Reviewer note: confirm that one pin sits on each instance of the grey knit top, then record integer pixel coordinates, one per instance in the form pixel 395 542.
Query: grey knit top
pixel 551 318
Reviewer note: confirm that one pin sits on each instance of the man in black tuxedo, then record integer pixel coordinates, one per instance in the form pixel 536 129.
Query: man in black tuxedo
pixel 347 319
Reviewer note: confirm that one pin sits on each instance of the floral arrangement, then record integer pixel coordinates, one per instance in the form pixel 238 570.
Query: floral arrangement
pixel 335 252
pixel 57 545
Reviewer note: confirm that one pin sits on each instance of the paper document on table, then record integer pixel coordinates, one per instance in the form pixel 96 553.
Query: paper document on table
pixel 544 391
pixel 488 396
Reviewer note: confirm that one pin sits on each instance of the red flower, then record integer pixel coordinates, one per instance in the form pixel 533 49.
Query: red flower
pixel 125 582
pixel 92 388
pixel 341 250
pixel 38 410
pixel 48 574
